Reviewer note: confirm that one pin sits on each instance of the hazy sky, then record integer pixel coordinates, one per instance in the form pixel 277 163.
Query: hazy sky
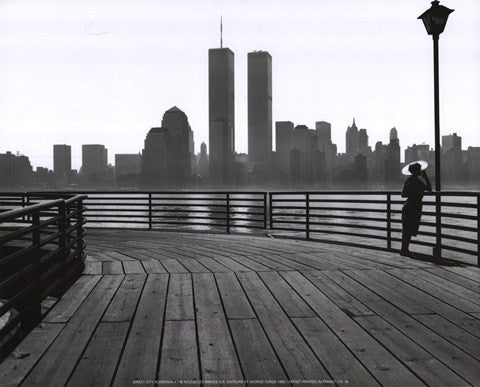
pixel 104 71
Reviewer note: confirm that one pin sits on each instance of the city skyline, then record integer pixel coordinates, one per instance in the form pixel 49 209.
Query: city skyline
pixel 119 110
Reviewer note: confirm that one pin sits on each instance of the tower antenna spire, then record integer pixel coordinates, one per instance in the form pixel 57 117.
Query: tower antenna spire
pixel 221 32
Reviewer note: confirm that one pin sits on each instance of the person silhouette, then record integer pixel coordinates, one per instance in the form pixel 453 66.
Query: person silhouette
pixel 413 190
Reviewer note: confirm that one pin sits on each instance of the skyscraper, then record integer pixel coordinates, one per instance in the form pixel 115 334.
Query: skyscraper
pixel 221 101
pixel 156 156
pixel 181 136
pixel 62 163
pixel 351 142
pixel 94 162
pixel 259 106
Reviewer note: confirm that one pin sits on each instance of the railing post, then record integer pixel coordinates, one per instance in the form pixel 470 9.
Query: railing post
pixel 62 225
pixel 80 244
pixel 389 222
pixel 307 214
pixel 34 315
pixel 270 209
pixel 149 210
pixel 478 230
pixel 264 210
pixel 437 251
pixel 228 213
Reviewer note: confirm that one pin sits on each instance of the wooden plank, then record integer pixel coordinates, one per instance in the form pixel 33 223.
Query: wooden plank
pixel 93 267
pixel 447 353
pixel 296 356
pixel 384 367
pixel 437 305
pixel 424 364
pixel 122 307
pixel 344 300
pixel 179 357
pixel 334 355
pixel 99 256
pixel 97 365
pixel 217 354
pixel 71 300
pixel 140 356
pixel 114 267
pixel 173 266
pixel 193 266
pixel 290 301
pixel 467 342
pixel 212 265
pixel 14 369
pixel 137 254
pixel 458 279
pixel 471 273
pixel 450 287
pixel 234 299
pixel 153 267
pixel 398 295
pixel 133 267
pixel 117 256
pixel 180 298
pixel 56 365
pixel 257 357
pixel 240 258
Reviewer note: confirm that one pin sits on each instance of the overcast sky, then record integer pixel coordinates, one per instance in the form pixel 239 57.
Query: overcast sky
pixel 104 71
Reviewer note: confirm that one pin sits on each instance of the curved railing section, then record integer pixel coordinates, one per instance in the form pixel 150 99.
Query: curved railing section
pixel 41 253
pixel 371 219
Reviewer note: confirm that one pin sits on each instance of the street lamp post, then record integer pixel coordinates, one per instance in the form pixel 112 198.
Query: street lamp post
pixel 435 19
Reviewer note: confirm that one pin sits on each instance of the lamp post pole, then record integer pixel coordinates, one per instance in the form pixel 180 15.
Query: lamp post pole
pixel 438 172
pixel 435 20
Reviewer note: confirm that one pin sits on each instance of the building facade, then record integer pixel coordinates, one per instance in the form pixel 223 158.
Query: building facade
pixel 62 163
pixel 94 163
pixel 259 106
pixel 221 109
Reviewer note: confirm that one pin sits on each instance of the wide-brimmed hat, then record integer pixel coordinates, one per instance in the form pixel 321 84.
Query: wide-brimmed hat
pixel 406 169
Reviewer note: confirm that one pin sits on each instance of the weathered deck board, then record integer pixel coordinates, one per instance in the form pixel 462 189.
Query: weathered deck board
pixel 140 355
pixel 58 362
pixel 218 358
pixel 179 357
pixel 97 365
pixel 179 306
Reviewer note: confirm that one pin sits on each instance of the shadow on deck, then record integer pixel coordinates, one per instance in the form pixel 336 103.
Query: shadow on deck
pixel 155 306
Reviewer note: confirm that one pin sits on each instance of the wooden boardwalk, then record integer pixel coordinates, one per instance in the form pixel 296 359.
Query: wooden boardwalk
pixel 158 306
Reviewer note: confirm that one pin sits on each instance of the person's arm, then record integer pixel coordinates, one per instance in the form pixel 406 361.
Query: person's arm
pixel 427 181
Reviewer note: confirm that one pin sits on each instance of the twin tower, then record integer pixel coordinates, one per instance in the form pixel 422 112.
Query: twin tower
pixel 221 95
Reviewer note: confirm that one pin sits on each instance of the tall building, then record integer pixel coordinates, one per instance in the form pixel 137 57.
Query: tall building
pixel 127 165
pixel 451 141
pixel 156 170
pixel 202 162
pixel 15 170
pixel 259 106
pixel 283 146
pixel 182 146
pixel 62 163
pixel 452 165
pixel 362 142
pixel 94 162
pixel 221 101
pixel 351 142
pixel 392 160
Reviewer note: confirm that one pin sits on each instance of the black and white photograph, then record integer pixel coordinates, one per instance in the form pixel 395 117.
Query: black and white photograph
pixel 239 193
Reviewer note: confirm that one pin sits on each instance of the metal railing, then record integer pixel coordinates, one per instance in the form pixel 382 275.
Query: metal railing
pixel 41 252
pixel 373 219
pixel 370 219
pixel 200 210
